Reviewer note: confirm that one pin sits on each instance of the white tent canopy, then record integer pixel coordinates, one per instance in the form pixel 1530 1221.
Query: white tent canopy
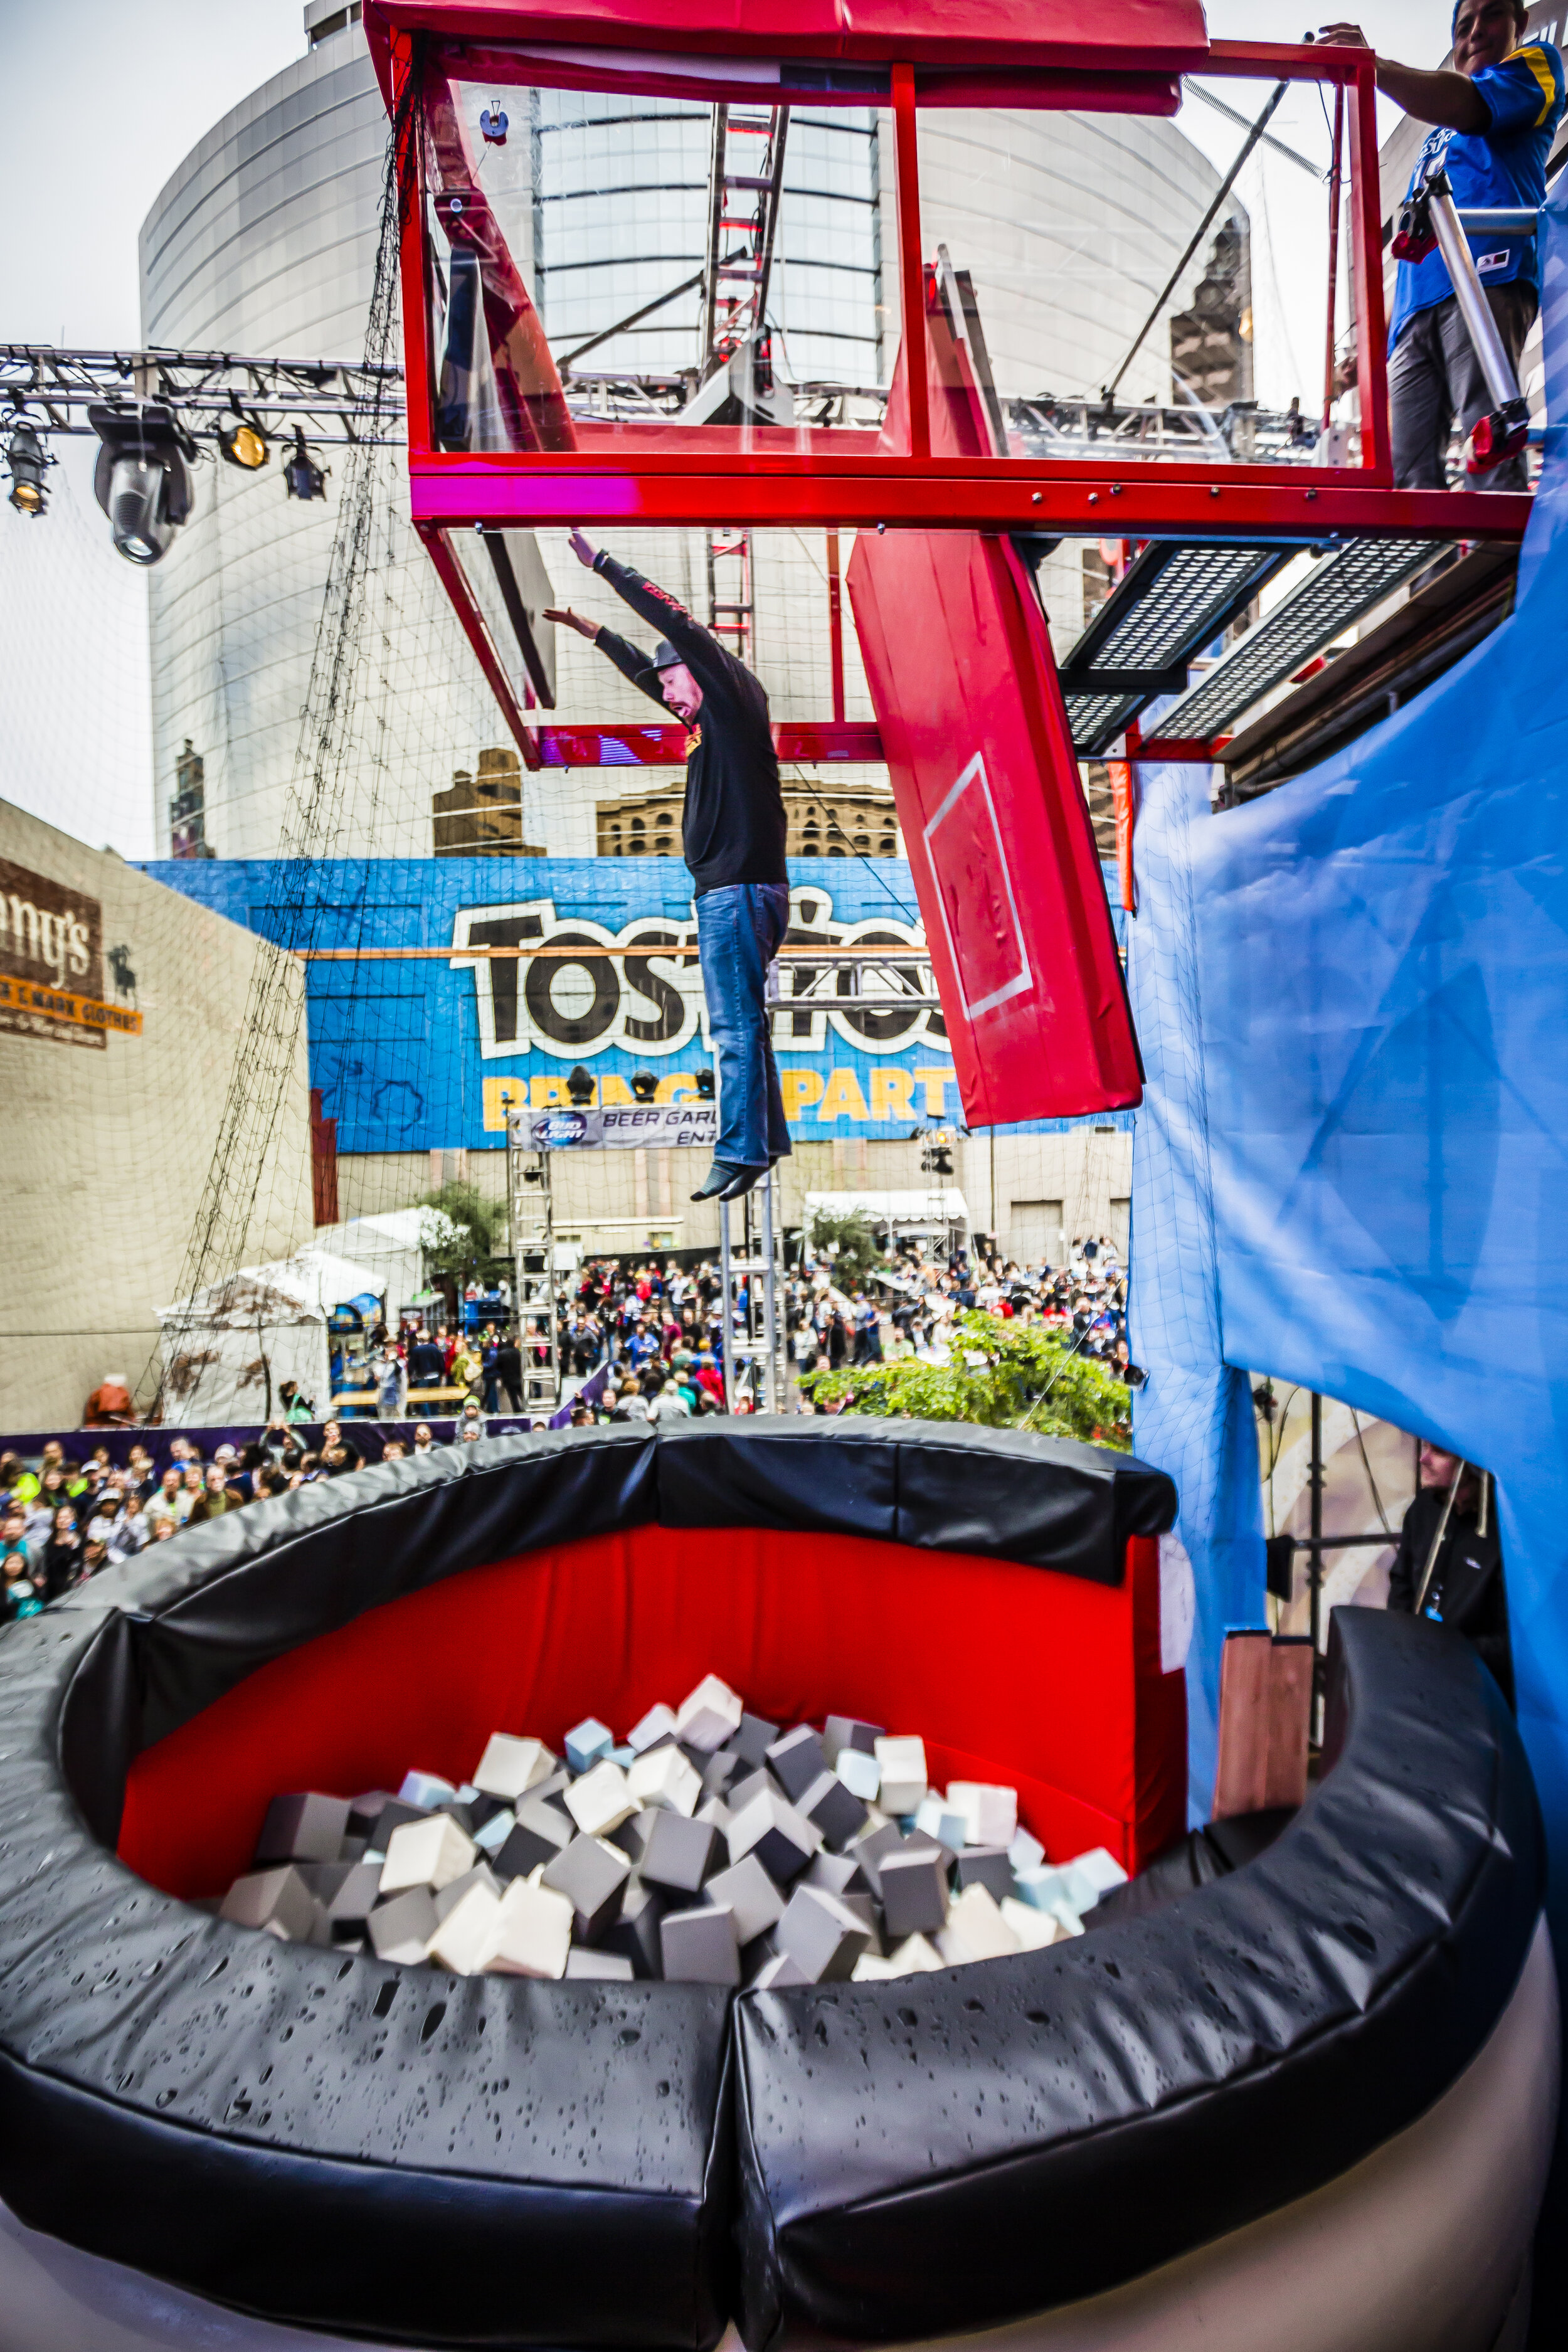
pixel 229 1349
pixel 392 1244
pixel 937 1211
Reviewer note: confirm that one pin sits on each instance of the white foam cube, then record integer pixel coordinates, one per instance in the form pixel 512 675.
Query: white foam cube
pixel 1041 1887
pixel 665 1777
pixel 426 1789
pixel 902 1765
pixel 976 1930
pixel 1089 1875
pixel 708 1715
pixel 1035 1929
pixel 861 1774
pixel 510 1768
pixel 601 1801
pixel 1025 1852
pixel 943 1821
pixel 991 1812
pixel 659 1723
pixel 871 1968
pixel 496 1831
pixel 532 1933
pixel 465 1938
pixel 427 1854
pixel 916 1956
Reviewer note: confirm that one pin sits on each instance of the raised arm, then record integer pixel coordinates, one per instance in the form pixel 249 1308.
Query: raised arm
pixel 628 660
pixel 698 647
pixel 1449 100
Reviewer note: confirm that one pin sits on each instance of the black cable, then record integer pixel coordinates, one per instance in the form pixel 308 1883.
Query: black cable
pixel 1225 185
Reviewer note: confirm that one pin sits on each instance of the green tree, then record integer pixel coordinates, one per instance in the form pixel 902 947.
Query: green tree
pixel 458 1232
pixel 1005 1375
pixel 858 1250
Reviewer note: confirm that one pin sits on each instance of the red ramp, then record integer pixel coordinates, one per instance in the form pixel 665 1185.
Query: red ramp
pixel 959 662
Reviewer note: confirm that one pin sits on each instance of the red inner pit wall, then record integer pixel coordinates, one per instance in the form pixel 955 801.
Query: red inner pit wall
pixel 1045 1681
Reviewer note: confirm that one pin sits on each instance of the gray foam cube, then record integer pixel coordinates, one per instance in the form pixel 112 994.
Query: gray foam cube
pixel 448 1898
pixel 366 1809
pixel 838 1874
pixel 392 1816
pixel 750 1893
pixel 700 1946
pixel 541 1834
pixel 836 1810
pixel 634 1933
pixel 988 1867
pixel 783 1839
pixel 278 1900
pixel 354 1901
pixel 322 1878
pixel 847 1731
pixel 864 1909
pixel 779 1971
pixel 303 1827
pixel 869 1849
pixel 796 1760
pixel 592 1874
pixel 914 1891
pixel 751 1740
pixel 613 1968
pixel 402 1929
pixel 821 1935
pixel 677 1854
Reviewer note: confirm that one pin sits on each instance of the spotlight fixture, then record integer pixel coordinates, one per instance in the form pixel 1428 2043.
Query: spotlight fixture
pixel 303 478
pixel 705 1086
pixel 579 1087
pixel 27 462
pixel 492 124
pixel 142 479
pixel 243 442
pixel 645 1086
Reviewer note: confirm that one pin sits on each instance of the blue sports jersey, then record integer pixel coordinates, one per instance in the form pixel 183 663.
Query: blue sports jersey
pixel 1505 165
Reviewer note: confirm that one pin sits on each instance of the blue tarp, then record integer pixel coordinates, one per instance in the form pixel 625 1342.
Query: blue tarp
pixel 1351 1167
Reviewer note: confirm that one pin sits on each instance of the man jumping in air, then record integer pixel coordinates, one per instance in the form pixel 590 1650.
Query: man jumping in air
pixel 733 838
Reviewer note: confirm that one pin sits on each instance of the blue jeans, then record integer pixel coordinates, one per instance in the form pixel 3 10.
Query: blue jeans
pixel 739 928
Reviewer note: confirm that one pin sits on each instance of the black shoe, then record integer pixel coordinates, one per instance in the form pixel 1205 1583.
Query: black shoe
pixel 741 1182
pixel 722 1173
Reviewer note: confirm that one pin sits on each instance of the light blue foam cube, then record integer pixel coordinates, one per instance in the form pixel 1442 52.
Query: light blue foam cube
pixel 425 1788
pixel 496 1831
pixel 940 1821
pixel 586 1742
pixel 1026 1853
pixel 624 1756
pixel 1042 1887
pixel 860 1773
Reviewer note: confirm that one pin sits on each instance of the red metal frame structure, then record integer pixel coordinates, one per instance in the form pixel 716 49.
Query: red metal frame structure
pixel 986 52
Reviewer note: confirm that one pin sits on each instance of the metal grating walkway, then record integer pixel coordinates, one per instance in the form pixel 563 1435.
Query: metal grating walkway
pixel 1176 598
pixel 1339 589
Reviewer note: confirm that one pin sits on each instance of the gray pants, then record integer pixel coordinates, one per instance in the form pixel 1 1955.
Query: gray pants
pixel 1434 376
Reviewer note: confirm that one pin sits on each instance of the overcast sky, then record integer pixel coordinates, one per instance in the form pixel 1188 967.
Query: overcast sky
pixel 121 94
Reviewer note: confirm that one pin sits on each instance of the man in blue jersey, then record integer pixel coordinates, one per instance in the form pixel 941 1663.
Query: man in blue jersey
pixel 1495 118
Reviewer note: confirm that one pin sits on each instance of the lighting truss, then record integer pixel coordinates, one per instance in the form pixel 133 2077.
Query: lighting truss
pixel 334 401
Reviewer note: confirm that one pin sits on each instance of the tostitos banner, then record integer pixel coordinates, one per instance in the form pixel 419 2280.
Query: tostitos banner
pixel 414 1054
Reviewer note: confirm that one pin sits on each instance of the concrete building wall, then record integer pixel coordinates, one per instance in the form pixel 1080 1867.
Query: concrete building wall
pixel 622 1202
pixel 109 1136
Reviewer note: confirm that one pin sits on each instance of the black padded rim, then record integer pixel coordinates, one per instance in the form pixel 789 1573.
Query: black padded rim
pixel 1069 2119
pixel 1139 2076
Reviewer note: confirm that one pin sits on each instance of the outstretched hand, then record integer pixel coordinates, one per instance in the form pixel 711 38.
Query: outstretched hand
pixel 569 620
pixel 583 549
pixel 1343 37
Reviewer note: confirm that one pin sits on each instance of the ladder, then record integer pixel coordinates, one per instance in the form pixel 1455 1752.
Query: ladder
pixel 533 1221
pixel 729 607
pixel 752 1334
pixel 745 178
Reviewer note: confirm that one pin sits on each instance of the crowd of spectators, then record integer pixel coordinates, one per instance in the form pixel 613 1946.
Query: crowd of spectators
pixel 637 1342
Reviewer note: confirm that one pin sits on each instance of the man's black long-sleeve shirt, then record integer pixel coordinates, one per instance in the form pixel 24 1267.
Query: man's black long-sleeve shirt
pixel 732 826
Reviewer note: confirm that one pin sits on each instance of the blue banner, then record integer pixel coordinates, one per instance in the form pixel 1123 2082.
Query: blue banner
pixel 432 1053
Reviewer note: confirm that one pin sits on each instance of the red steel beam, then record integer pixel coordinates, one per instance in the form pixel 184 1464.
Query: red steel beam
pixel 1366 234
pixel 450 574
pixel 809 742
pixel 912 278
pixel 454 492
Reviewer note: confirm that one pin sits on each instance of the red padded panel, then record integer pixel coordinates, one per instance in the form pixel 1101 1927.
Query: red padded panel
pixel 1011 1674
pixel 958 659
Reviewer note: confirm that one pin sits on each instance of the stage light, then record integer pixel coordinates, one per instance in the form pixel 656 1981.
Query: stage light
pixel 705 1085
pixel 302 477
pixel 243 442
pixel 645 1086
pixel 27 462
pixel 142 480
pixel 579 1087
